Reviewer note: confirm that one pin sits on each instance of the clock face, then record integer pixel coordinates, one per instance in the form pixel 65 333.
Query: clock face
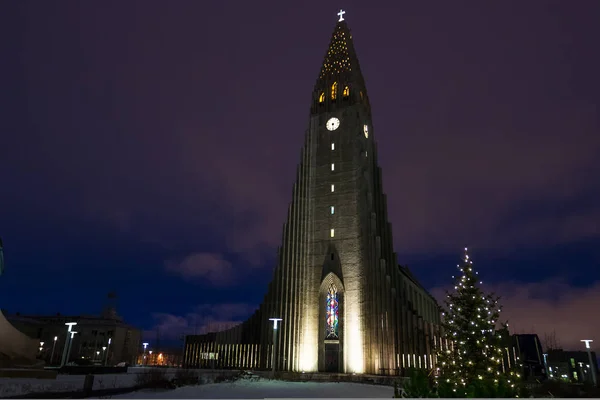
pixel 333 124
pixel 366 130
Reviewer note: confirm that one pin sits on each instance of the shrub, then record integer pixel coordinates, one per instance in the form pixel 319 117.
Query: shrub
pixel 153 379
pixel 186 377
pixel 418 385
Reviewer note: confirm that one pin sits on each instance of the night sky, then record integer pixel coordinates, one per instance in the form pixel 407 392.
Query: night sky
pixel 150 147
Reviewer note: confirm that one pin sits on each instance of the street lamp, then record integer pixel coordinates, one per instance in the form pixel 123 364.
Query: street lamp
pixel 70 326
pixel 145 344
pixel 41 347
pixel 70 344
pixel 106 354
pixel 53 347
pixel 275 321
pixel 592 366
pixel 150 357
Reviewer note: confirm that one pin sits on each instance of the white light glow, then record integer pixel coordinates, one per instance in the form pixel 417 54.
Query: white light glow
pixel 55 338
pixel 145 345
pixel 353 331
pixel 587 343
pixel 275 321
pixel 341 15
pixel 70 325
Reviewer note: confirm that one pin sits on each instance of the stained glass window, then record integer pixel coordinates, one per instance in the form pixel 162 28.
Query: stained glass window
pixel 332 313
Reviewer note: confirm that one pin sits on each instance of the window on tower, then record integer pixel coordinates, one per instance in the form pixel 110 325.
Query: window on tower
pixel 346 91
pixel 334 90
pixel 332 166
pixel 322 97
pixel 332 232
pixel 332 187
pixel 332 313
pixel 332 146
pixel 332 210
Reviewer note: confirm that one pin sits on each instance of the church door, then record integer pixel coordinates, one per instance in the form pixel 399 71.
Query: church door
pixel 332 357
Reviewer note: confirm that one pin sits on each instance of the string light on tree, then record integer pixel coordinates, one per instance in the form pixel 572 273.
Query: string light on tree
pixel 474 354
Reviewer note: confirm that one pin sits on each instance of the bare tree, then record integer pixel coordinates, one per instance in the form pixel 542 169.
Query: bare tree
pixel 550 341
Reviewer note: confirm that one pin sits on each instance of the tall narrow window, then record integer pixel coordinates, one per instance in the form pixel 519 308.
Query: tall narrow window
pixel 332 146
pixel 346 92
pixel 322 97
pixel 332 313
pixel 332 187
pixel 332 210
pixel 332 166
pixel 334 90
pixel 332 232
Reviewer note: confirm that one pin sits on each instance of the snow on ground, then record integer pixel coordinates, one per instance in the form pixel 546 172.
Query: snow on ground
pixel 66 383
pixel 267 389
pixel 70 383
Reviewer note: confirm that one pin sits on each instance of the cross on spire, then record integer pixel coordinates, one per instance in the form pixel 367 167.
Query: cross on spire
pixel 341 15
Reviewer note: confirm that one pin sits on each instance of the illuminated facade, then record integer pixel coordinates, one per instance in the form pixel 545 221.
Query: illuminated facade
pixel 346 304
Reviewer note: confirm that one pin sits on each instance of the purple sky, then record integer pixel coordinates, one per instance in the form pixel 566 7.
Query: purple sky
pixel 150 147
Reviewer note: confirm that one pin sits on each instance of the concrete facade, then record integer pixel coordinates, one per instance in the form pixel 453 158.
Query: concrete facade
pixel 337 237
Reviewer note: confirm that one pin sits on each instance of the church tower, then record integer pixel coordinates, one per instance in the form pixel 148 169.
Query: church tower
pixel 344 302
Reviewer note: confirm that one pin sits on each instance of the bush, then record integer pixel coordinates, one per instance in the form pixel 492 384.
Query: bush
pixel 186 377
pixel 419 385
pixel 154 379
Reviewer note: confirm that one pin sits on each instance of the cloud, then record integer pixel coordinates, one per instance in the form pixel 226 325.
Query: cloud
pixel 203 319
pixel 464 146
pixel 210 267
pixel 547 308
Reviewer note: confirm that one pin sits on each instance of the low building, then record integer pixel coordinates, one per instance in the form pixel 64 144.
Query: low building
pixel 572 366
pixel 99 339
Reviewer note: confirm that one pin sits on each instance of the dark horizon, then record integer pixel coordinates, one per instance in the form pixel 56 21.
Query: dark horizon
pixel 150 149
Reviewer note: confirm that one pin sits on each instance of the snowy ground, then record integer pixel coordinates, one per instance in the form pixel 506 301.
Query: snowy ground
pixel 267 389
pixel 70 383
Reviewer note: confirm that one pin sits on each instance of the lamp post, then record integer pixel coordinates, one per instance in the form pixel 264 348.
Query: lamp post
pixel 70 326
pixel 145 344
pixel 592 366
pixel 150 357
pixel 103 353
pixel 275 321
pixel 53 347
pixel 41 348
pixel 70 344
pixel 107 349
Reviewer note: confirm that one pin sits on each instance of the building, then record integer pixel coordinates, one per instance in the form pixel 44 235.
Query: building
pixel 344 302
pixel 524 350
pixel 572 366
pixel 90 343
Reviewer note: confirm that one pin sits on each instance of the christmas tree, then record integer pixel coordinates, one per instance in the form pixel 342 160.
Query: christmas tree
pixel 471 363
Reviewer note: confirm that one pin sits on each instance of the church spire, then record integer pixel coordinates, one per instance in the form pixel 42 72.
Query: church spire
pixel 340 76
